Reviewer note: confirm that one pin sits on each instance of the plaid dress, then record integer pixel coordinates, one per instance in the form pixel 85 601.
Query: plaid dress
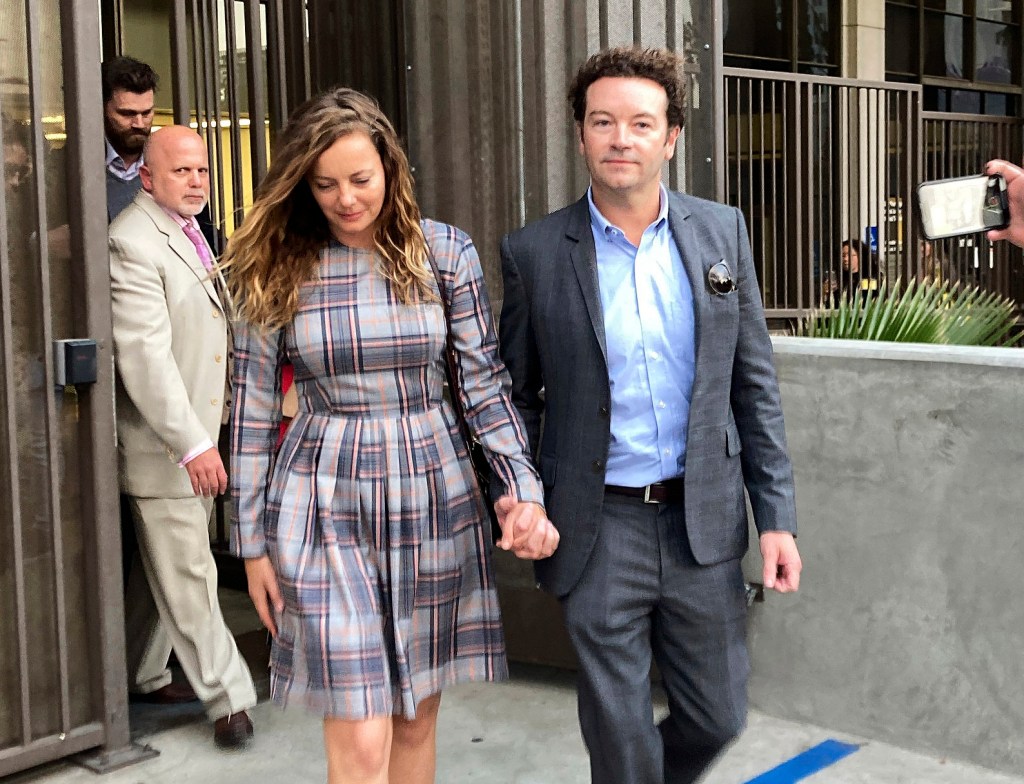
pixel 369 511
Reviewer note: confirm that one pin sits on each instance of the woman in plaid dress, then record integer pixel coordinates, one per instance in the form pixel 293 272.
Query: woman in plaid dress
pixel 363 536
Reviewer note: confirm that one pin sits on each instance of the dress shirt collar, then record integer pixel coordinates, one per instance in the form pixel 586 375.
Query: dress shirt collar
pixel 116 165
pixel 604 226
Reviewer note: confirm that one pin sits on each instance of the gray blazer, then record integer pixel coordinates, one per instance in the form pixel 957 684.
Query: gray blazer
pixel 553 342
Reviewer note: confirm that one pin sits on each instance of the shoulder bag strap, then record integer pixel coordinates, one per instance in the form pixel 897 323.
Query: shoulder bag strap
pixel 451 367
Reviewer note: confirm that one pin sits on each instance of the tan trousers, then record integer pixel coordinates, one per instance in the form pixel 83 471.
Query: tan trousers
pixel 172 603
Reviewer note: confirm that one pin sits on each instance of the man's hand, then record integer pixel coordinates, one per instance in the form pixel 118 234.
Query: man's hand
pixel 264 590
pixel 782 563
pixel 1014 177
pixel 207 474
pixel 525 530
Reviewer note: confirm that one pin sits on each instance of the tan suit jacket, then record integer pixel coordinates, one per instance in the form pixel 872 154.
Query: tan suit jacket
pixel 170 349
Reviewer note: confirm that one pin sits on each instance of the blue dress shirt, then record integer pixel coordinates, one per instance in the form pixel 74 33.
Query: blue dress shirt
pixel 647 302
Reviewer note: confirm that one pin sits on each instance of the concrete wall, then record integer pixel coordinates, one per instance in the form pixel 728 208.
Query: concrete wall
pixel 909 625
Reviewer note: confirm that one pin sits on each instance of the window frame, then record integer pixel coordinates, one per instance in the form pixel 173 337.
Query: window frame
pixel 792 62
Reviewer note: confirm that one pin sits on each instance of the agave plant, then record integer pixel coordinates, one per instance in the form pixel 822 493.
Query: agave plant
pixel 921 312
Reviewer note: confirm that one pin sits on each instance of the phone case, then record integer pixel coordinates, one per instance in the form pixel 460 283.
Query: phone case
pixel 963 205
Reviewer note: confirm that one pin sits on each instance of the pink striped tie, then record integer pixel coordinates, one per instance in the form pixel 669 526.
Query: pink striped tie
pixel 201 248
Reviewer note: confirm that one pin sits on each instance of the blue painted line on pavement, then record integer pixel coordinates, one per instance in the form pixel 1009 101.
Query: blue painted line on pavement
pixel 807 764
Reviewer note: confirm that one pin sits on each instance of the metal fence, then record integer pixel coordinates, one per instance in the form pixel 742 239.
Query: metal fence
pixel 816 161
pixel 62 672
pixel 233 63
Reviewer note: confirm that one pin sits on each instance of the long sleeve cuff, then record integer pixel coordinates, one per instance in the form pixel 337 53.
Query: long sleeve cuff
pixel 195 452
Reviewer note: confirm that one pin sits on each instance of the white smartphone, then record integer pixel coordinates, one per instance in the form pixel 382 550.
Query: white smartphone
pixel 963 205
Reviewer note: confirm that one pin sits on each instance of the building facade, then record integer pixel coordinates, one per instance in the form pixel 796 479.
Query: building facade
pixel 816 117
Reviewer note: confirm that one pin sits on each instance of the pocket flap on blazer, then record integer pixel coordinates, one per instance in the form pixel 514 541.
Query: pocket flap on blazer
pixel 732 440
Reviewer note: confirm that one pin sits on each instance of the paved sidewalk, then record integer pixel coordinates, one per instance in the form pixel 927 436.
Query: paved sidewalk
pixel 520 732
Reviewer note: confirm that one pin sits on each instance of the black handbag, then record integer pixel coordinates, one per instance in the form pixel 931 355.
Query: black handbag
pixel 481 468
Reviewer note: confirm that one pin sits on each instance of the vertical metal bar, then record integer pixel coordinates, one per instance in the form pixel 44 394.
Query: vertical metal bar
pixel 791 130
pixel 718 154
pixel 60 608
pixel 296 54
pixel 913 167
pixel 827 239
pixel 196 48
pixel 871 146
pixel 215 149
pixel 727 140
pixel 277 82
pixel 519 111
pixel 14 491
pixel 778 162
pixel 257 91
pixel 79 30
pixel 762 153
pixel 750 170
pixel 849 187
pixel 112 12
pixel 235 115
pixel 179 57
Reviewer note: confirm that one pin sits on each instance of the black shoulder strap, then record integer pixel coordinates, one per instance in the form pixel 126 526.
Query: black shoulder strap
pixel 451 367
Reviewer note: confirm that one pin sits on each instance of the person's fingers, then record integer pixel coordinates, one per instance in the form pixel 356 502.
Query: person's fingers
pixel 258 594
pixel 771 566
pixel 503 506
pixel 540 543
pixel 550 540
pixel 222 479
pixel 274 592
pixel 507 523
pixel 529 515
pixel 792 578
pixel 1009 171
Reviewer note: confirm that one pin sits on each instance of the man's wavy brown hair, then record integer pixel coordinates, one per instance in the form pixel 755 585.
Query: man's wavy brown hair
pixel 277 247
pixel 658 65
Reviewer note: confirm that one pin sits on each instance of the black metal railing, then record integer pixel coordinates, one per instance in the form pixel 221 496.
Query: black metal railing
pixel 815 161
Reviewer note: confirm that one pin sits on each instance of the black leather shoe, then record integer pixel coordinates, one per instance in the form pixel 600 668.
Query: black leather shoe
pixel 232 731
pixel 171 694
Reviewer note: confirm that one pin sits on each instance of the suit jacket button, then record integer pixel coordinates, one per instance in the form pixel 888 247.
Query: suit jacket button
pixel 598 465
pixel 604 411
pixel 214 401
pixel 218 358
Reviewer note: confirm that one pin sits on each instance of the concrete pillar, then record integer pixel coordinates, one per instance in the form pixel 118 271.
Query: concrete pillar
pixel 864 39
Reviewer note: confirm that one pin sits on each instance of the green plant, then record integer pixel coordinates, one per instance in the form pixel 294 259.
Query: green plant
pixel 921 312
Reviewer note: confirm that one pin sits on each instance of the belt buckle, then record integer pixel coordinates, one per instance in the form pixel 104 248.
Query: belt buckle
pixel 647 496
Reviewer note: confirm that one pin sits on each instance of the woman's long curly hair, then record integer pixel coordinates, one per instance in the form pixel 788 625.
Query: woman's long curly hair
pixel 277 247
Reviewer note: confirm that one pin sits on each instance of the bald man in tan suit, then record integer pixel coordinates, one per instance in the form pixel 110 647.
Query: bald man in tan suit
pixel 171 345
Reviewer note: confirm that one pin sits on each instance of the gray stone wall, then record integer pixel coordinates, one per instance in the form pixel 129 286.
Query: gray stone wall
pixel 909 625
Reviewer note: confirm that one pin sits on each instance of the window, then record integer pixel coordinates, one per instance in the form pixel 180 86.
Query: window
pixel 800 36
pixel 966 52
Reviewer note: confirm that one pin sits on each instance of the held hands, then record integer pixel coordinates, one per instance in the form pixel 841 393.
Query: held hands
pixel 525 530
pixel 207 474
pixel 264 590
pixel 1014 177
pixel 782 563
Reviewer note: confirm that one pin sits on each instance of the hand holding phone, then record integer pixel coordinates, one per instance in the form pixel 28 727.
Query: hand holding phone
pixel 1014 177
pixel 963 205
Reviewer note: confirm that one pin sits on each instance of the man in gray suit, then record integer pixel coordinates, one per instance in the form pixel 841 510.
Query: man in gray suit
pixel 632 324
pixel 171 344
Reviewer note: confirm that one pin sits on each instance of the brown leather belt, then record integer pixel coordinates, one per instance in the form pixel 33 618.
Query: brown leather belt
pixel 668 492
